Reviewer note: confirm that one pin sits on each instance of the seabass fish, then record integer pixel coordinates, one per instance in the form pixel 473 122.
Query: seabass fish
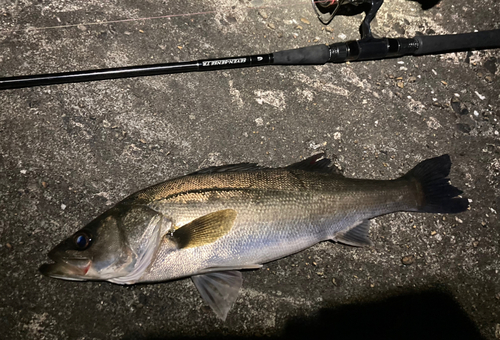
pixel 211 224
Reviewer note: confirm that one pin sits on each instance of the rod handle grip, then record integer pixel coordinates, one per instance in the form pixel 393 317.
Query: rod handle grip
pixel 458 42
pixel 311 55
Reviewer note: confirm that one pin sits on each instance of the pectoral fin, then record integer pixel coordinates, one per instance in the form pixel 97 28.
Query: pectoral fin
pixel 219 290
pixel 356 236
pixel 205 229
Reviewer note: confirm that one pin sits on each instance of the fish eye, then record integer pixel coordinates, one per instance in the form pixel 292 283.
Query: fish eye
pixel 82 240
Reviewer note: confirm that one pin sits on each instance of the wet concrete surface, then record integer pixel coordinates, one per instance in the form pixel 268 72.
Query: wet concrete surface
pixel 68 152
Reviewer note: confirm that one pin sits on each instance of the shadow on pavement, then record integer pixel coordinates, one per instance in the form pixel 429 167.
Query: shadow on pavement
pixel 418 315
pixel 427 4
pixel 429 315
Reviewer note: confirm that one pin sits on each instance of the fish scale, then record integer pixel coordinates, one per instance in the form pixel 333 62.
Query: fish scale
pixel 275 218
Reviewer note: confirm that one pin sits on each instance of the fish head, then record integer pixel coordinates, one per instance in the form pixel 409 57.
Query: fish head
pixel 114 245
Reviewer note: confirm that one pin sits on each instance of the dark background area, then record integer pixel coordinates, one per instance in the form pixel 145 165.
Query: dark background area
pixel 422 314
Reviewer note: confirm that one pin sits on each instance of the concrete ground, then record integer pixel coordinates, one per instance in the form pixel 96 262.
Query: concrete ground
pixel 68 152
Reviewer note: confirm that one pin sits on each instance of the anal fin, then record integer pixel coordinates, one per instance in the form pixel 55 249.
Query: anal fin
pixel 231 268
pixel 357 236
pixel 219 290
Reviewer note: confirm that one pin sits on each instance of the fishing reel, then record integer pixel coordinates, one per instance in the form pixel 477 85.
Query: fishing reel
pixel 326 10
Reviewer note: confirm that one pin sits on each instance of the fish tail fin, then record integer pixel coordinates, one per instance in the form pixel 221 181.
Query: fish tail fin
pixel 435 193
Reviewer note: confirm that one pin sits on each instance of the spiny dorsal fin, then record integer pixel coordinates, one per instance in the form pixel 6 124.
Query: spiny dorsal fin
pixel 316 163
pixel 229 168
pixel 219 290
pixel 205 229
pixel 357 236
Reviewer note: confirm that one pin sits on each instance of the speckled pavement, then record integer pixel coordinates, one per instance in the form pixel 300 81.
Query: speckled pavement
pixel 68 152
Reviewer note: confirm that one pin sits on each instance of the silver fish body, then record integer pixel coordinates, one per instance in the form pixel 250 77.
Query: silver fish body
pixel 279 212
pixel 210 224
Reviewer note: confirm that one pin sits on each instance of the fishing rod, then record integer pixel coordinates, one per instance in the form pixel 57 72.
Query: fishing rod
pixel 368 47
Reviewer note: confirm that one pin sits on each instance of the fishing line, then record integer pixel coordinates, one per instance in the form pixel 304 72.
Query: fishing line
pixel 29 29
pixel 168 16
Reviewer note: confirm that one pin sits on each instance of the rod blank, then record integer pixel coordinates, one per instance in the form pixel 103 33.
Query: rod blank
pixel 133 71
pixel 358 50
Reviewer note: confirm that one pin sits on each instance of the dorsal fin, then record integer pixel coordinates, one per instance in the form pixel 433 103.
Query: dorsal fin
pixel 229 168
pixel 316 163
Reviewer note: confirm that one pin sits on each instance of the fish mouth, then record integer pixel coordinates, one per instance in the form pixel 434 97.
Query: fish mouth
pixel 66 268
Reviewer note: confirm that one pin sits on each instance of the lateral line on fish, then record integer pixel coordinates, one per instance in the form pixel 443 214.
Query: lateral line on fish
pixel 202 191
